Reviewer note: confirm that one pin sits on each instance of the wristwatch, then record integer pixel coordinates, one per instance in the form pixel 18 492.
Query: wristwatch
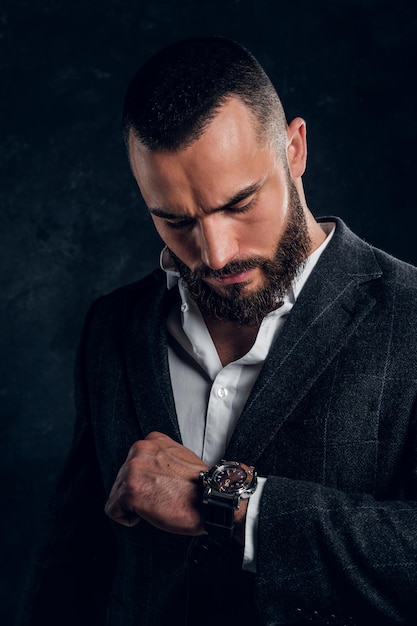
pixel 225 485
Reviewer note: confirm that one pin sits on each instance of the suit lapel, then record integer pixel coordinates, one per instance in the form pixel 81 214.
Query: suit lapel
pixel 331 306
pixel 146 353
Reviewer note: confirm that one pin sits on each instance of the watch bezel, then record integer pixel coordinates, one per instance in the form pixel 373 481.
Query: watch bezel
pixel 244 490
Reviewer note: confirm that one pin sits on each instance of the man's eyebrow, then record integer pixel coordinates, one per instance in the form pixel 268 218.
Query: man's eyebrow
pixel 242 194
pixel 166 214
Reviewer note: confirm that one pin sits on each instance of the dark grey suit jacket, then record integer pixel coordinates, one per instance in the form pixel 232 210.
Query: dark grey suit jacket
pixel 331 422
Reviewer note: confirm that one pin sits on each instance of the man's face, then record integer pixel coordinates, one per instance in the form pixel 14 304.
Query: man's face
pixel 229 213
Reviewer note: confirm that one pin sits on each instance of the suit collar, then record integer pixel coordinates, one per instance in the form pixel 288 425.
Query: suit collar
pixel 347 256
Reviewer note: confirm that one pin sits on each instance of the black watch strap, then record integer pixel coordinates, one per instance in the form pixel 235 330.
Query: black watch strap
pixel 219 516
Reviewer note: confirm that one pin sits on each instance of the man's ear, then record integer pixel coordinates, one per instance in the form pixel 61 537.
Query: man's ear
pixel 297 147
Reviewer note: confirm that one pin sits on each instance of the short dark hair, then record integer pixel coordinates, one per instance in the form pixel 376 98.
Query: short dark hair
pixel 177 92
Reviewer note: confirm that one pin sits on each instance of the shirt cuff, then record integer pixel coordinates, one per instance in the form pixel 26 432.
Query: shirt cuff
pixel 251 528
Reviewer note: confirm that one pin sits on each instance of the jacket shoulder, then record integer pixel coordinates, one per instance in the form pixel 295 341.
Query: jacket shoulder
pixel 145 290
pixel 348 255
pixel 147 286
pixel 395 270
pixel 138 304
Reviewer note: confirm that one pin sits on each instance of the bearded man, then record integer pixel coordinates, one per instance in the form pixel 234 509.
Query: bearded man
pixel 247 413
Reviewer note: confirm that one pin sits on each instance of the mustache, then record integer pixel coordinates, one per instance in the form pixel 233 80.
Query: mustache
pixel 233 267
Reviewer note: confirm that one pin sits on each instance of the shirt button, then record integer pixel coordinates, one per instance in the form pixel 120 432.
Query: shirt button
pixel 222 392
pixel 184 307
pixel 199 554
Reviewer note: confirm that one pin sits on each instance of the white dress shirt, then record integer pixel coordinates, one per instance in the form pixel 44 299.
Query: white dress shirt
pixel 209 398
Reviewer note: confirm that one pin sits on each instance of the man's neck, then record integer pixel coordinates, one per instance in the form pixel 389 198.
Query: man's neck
pixel 231 341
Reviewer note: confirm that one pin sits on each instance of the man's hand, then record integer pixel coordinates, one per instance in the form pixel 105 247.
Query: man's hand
pixel 159 483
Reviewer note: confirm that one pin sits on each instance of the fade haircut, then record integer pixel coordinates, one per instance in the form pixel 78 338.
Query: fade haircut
pixel 178 91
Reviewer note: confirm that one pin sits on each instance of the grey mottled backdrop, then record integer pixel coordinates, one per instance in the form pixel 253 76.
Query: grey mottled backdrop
pixel 72 222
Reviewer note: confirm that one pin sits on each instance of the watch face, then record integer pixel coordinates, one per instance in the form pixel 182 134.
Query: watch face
pixel 229 478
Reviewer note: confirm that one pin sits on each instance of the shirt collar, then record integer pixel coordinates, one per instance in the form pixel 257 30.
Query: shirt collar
pixel 168 265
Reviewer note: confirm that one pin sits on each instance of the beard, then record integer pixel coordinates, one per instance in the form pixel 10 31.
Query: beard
pixel 249 309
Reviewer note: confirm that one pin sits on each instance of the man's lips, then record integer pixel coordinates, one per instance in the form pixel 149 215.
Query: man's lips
pixel 232 279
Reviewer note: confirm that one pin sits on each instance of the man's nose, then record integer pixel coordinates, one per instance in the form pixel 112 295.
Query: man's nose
pixel 218 244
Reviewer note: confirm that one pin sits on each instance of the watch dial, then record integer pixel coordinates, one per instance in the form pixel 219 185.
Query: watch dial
pixel 229 478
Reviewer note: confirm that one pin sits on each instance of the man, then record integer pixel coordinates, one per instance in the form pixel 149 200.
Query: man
pixel 269 343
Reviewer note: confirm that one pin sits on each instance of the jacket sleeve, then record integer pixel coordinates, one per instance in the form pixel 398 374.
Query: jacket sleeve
pixel 329 557
pixel 73 566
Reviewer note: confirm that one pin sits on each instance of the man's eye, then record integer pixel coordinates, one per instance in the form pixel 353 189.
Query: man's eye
pixel 242 209
pixel 180 224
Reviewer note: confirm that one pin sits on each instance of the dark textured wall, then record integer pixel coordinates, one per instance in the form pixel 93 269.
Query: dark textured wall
pixel 72 222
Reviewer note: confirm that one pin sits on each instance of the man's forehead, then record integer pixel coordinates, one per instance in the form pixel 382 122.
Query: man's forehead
pixel 232 116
